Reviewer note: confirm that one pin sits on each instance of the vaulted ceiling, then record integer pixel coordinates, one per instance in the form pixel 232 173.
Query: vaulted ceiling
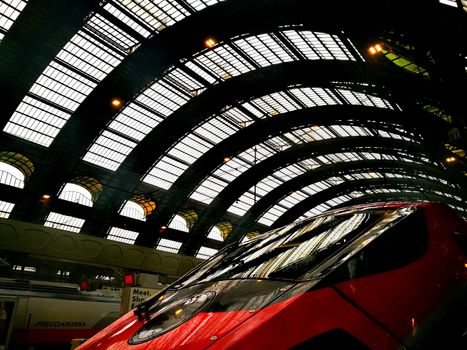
pixel 238 114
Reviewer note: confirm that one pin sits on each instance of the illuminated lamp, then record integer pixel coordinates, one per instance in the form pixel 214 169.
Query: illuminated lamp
pixel 373 50
pixel 226 159
pixel 450 159
pixel 116 103
pixel 210 42
pixel 46 196
pixel 129 280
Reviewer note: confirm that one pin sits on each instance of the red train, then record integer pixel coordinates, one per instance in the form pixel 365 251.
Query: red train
pixel 381 276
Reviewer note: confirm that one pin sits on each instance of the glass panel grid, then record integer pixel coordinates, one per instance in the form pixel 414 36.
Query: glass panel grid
pixel 63 222
pixel 76 194
pixel 118 13
pixel 168 245
pixel 5 209
pixel 62 86
pixel 109 151
pixel 121 235
pixel 215 234
pixel 36 121
pixel 9 12
pixel 11 175
pixel 89 56
pixel 133 210
pixel 205 252
pixel 165 172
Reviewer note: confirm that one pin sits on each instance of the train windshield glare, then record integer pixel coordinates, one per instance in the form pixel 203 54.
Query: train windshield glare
pixel 289 252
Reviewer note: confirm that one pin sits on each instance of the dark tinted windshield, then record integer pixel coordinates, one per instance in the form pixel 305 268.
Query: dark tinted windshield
pixel 290 252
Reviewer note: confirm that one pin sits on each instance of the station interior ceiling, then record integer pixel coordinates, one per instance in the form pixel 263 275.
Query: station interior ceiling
pixel 184 125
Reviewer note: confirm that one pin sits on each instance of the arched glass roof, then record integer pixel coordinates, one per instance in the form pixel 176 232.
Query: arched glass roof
pixel 9 12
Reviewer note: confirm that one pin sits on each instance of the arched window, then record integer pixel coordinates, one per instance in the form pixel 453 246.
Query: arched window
pixel 83 190
pixel 215 233
pixel 133 210
pixel 76 194
pixel 139 207
pixel 179 223
pixel 15 169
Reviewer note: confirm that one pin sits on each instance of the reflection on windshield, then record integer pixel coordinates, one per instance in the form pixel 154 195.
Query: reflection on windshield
pixel 289 252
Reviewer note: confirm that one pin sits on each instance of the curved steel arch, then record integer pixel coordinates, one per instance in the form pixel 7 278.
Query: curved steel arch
pixel 259 208
pixel 347 187
pixel 292 155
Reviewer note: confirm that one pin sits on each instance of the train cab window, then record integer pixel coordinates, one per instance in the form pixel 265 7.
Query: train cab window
pixel 400 245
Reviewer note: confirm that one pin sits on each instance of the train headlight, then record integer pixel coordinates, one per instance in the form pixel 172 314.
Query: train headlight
pixel 171 316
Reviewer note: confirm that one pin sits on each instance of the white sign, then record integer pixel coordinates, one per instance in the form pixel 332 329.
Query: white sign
pixel 132 296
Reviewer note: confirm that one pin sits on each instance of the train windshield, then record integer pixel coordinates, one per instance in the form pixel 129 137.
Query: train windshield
pixel 289 253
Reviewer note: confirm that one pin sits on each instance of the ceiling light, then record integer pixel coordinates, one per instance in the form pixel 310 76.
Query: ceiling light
pixel 450 159
pixel 226 159
pixel 46 196
pixel 373 50
pixel 210 42
pixel 116 103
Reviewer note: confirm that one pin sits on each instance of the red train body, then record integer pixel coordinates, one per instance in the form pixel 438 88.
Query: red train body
pixel 370 277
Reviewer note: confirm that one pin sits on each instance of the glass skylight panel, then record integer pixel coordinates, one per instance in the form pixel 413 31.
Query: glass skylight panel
pixel 133 210
pixel 135 122
pixel 5 209
pixel 36 121
pixel 109 150
pixel 167 245
pixel 359 98
pixel 208 190
pixel 64 222
pixel 311 97
pixel 11 175
pixel 113 34
pixel 223 62
pixel 205 252
pixel 265 49
pixel 88 55
pixel 201 71
pixel 62 86
pixel 215 234
pixel 131 22
pixel 122 235
pixel 201 4
pixel 238 117
pixel 76 194
pixel 9 12
pixel 158 14
pixel 275 103
pixel 452 3
pixel 185 82
pixel 179 223
pixel 163 98
pixel 165 173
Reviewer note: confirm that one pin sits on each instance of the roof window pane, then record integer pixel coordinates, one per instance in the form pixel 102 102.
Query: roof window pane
pixel 215 234
pixel 133 210
pixel 5 209
pixel 205 252
pixel 11 176
pixel 76 194
pixel 167 245
pixel 122 235
pixel 9 12
pixel 179 223
pixel 63 222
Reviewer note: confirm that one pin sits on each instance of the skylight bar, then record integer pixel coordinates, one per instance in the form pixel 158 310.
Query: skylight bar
pixel 298 39
pixel 238 117
pixel 205 252
pixel 166 245
pixel 223 62
pixel 157 14
pixel 275 103
pixel 109 150
pixel 121 235
pixel 135 121
pixel 208 190
pixel 63 222
pixel 335 46
pixel 256 111
pixel 36 121
pixel 9 12
pixel 201 4
pixel 5 209
pixel 271 215
pixel 165 172
pixel 162 98
pixel 215 234
pixel 190 148
pixel 62 86
pixel 216 129
pixel 88 55
pixel 232 169
pixel 202 72
pixel 137 27
pixel 111 33
pixel 185 82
